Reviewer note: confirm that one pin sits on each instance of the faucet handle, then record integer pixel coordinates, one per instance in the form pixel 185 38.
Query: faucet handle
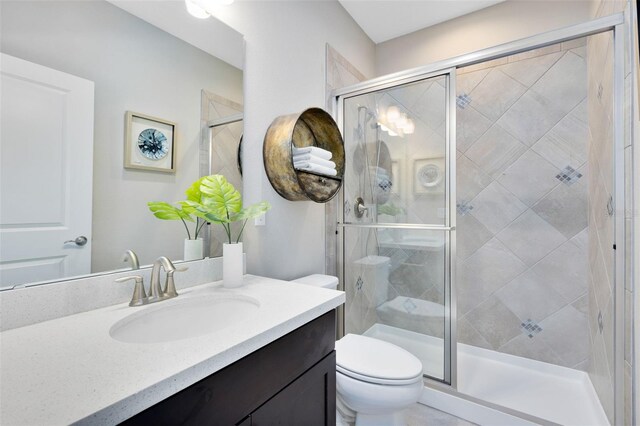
pixel 170 285
pixel 139 295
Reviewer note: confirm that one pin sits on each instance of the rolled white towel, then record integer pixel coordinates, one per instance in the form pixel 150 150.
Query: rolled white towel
pixel 314 168
pixel 312 159
pixel 318 152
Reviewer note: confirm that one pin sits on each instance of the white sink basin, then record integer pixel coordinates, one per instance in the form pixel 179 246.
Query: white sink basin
pixel 185 318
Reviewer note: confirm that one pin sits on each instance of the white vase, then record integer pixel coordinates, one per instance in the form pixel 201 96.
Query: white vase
pixel 232 265
pixel 193 249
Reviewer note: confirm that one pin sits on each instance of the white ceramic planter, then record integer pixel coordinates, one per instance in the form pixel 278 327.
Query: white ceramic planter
pixel 232 265
pixel 193 249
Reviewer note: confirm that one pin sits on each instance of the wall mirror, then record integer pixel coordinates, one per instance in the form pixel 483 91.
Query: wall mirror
pixel 70 73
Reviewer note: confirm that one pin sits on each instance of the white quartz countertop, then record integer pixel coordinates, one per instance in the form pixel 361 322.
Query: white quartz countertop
pixel 71 370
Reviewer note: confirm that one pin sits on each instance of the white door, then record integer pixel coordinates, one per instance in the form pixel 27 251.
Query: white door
pixel 46 158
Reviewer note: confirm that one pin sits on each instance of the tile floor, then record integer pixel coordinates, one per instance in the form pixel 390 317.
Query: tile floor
pixel 422 415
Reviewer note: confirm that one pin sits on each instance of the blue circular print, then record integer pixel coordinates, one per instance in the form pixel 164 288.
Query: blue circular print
pixel 152 143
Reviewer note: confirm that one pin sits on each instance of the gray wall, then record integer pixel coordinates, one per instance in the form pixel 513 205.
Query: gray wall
pixel 488 27
pixel 136 67
pixel 285 73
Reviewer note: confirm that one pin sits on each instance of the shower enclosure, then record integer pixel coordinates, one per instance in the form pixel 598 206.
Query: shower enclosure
pixel 478 217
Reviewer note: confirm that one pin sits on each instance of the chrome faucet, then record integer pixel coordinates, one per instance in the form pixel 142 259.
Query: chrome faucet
pixel 156 293
pixel 130 255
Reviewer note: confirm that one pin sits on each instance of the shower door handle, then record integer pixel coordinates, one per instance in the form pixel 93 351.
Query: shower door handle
pixel 359 209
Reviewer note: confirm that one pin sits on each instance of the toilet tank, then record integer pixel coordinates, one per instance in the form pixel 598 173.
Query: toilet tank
pixel 374 273
pixel 319 280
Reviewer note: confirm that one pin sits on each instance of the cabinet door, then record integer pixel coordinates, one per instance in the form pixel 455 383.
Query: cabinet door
pixel 310 400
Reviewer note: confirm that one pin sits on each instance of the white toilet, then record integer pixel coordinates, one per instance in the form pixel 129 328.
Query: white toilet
pixel 375 380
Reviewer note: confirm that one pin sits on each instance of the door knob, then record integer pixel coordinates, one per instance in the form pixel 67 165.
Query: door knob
pixel 79 241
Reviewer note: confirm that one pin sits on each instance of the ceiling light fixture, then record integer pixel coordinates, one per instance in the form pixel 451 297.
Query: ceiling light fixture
pixel 202 9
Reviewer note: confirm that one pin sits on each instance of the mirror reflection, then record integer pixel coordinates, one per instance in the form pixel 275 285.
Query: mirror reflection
pixel 72 75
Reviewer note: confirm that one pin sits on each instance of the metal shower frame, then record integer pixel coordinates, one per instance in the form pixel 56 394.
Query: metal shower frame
pixel 614 23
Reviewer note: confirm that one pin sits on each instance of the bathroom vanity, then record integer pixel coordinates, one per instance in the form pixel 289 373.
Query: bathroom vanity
pixel 275 365
pixel 290 381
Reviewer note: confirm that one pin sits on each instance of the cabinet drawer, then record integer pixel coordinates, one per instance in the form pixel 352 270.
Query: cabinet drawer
pixel 310 400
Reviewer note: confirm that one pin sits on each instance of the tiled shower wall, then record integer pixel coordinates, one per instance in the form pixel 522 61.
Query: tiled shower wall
pixel 601 217
pixel 522 228
pixel 219 156
pixel 601 253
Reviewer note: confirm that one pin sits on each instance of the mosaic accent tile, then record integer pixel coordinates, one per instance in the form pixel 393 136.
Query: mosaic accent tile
pixel 600 90
pixel 568 175
pixel 385 184
pixel 464 208
pixel 359 283
pixel 409 305
pixel 463 100
pixel 530 328
pixel 600 322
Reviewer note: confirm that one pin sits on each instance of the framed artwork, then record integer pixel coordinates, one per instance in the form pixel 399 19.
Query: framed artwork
pixel 429 176
pixel 149 143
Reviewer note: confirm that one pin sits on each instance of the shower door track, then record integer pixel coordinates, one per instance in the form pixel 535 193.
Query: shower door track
pixel 396 226
pixel 614 23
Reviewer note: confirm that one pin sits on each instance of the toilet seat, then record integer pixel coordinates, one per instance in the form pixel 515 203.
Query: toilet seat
pixel 375 361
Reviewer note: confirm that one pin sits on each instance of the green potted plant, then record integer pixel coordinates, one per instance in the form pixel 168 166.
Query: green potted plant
pixel 183 212
pixel 213 199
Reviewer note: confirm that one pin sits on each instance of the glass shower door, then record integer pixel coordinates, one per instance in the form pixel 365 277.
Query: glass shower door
pixel 396 220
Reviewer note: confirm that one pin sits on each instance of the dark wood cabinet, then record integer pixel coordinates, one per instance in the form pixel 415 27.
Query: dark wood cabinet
pixel 291 381
pixel 310 400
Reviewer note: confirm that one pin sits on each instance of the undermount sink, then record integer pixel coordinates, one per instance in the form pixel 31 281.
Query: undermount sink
pixel 185 318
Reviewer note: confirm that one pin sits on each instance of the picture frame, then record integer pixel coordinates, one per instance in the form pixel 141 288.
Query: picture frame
pixel 149 143
pixel 429 176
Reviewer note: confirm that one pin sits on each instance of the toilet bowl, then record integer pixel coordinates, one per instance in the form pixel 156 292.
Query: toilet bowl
pixel 375 380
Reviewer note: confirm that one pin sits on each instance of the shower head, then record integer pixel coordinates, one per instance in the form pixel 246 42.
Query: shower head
pixel 368 114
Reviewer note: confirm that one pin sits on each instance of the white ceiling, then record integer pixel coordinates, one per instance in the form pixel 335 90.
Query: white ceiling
pixel 383 20
pixel 210 35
